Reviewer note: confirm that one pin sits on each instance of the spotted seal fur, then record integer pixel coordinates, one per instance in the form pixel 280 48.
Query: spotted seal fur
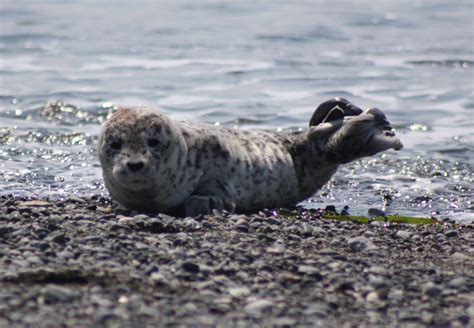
pixel 153 163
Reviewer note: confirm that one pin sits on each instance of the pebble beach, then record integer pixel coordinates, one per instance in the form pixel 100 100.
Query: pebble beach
pixel 83 262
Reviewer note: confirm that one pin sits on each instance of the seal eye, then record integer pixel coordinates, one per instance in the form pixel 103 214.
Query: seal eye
pixel 152 142
pixel 116 145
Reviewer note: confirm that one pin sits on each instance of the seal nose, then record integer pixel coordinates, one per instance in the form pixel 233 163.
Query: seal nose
pixel 135 166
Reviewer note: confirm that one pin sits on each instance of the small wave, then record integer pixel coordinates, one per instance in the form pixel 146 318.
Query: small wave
pixel 22 37
pixel 10 136
pixel 68 114
pixel 283 38
pixel 456 63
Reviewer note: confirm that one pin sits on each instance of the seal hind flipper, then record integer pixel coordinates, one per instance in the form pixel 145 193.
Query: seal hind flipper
pixel 334 114
pixel 322 113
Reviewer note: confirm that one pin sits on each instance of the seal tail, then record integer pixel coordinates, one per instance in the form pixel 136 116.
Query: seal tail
pixel 333 109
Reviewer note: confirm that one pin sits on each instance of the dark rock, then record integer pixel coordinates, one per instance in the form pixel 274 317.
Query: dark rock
pixel 331 209
pixel 451 233
pixel 431 290
pixel 273 221
pixel 5 230
pixel 42 246
pixel 59 238
pixel 376 213
pixel 190 267
pixel 119 227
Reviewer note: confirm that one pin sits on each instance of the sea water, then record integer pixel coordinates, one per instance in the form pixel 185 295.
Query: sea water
pixel 65 66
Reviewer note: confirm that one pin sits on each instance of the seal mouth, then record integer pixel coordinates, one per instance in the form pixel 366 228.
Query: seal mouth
pixel 384 138
pixel 133 183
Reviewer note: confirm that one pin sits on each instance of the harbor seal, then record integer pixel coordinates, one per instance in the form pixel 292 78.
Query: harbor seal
pixel 152 163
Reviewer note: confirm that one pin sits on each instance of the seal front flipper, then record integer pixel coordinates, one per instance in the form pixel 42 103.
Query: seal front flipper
pixel 211 195
pixel 196 205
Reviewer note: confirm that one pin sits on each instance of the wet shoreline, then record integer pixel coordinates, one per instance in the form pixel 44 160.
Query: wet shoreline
pixel 83 262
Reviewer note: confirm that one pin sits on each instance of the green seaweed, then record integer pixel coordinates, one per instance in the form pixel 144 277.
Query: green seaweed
pixel 388 219
pixel 391 219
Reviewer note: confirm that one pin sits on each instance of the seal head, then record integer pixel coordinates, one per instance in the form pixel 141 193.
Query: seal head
pixel 137 148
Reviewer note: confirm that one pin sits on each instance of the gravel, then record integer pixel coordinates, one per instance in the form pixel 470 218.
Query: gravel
pixel 82 262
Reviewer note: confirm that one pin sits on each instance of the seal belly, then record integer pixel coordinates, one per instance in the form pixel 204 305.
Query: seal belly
pixel 261 173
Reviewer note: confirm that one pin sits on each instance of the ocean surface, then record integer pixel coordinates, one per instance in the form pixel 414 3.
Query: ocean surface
pixel 65 65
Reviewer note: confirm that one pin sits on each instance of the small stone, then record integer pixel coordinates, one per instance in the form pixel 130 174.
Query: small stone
pixel 105 210
pixel 242 225
pixel 141 246
pixel 242 221
pixel 257 307
pixel 372 297
pixel 403 234
pixel 239 291
pixel 319 309
pixel 360 244
pixel 139 217
pixel 19 233
pixel 457 256
pixel 368 234
pixel 42 246
pixel 327 251
pixel 451 233
pixel 54 294
pixel 377 270
pixel 65 255
pixel 34 203
pixel 158 278
pixel 191 224
pixel 126 220
pixel 276 248
pixel 305 229
pixel 318 232
pixel 148 311
pixel 273 221
pixel 309 270
pixel 75 199
pixel 377 282
pixel 123 299
pixel 458 283
pixel 237 217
